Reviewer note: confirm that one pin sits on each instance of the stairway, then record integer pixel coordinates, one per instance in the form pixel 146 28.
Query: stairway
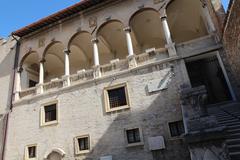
pixel 229 115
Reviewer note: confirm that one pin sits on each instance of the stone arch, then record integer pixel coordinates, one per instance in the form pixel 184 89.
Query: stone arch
pixel 81 48
pixel 30 69
pixel 54 61
pixel 147 29
pixel 185 20
pixel 112 41
pixel 55 154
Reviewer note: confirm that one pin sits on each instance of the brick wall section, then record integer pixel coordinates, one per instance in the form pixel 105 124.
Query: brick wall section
pixel 231 40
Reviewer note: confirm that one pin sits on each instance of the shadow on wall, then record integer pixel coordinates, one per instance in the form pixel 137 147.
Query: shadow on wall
pixel 153 120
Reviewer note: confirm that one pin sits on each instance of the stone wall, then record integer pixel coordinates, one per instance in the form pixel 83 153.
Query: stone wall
pixel 231 39
pixel 82 112
pixel 7 55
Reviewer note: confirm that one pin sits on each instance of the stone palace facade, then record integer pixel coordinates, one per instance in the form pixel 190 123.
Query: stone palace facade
pixel 119 80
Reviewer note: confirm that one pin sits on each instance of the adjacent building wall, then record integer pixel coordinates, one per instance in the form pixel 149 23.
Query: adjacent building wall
pixel 231 40
pixel 7 55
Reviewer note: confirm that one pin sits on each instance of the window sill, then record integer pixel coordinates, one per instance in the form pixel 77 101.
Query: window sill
pixel 49 123
pixel 118 108
pixel 82 152
pixel 135 144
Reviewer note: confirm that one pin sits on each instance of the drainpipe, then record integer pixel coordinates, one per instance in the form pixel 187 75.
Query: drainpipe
pixel 12 93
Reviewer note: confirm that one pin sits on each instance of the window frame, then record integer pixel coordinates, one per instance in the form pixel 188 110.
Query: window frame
pixel 106 97
pixel 26 154
pixel 169 128
pixel 42 114
pixel 76 144
pixel 141 143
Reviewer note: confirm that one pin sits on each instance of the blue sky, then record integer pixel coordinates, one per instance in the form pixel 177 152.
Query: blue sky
pixel 15 14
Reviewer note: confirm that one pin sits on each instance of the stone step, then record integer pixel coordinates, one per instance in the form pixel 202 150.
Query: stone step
pixel 226 119
pixel 235 155
pixel 233 126
pixel 233 136
pixel 231 131
pixel 234 148
pixel 229 121
pixel 233 141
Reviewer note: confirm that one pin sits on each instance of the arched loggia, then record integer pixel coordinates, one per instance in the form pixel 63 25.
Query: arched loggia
pixel 147 30
pixel 30 70
pixel 81 52
pixel 185 20
pixel 54 61
pixel 112 41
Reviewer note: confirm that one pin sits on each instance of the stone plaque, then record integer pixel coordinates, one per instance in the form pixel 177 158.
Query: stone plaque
pixel 92 22
pixel 41 42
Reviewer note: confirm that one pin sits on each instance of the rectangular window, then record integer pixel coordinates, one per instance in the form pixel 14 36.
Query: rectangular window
pixel 133 136
pixel 50 112
pixel 82 144
pixel 176 128
pixel 116 97
pixel 31 152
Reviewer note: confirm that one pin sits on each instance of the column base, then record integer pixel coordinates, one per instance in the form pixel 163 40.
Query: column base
pixel 171 49
pixel 66 80
pixel 132 63
pixel 16 96
pixel 39 88
pixel 97 72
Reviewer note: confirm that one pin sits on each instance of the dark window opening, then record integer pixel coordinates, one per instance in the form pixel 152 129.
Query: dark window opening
pixel 32 83
pixel 133 136
pixel 117 97
pixel 32 152
pixel 50 112
pixel 176 128
pixel 83 143
pixel 208 72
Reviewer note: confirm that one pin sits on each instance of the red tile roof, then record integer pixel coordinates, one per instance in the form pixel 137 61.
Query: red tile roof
pixel 80 6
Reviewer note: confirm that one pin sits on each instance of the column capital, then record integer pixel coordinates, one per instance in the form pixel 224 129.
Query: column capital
pixel 127 29
pixel 95 40
pixel 163 14
pixel 66 51
pixel 19 69
pixel 42 60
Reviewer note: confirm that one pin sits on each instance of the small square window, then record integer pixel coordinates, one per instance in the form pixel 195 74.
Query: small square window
pixel 176 128
pixel 116 97
pixel 31 152
pixel 134 137
pixel 82 144
pixel 49 114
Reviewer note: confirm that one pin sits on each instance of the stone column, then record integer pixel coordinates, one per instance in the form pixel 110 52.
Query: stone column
pixel 131 56
pixel 96 67
pixel 41 77
pixel 170 45
pixel 18 83
pixel 66 77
